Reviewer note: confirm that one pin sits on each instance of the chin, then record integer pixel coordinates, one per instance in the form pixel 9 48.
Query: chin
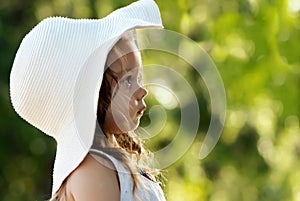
pixel 134 124
pixel 129 127
pixel 124 125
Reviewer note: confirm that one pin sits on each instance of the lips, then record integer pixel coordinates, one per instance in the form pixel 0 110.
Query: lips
pixel 141 111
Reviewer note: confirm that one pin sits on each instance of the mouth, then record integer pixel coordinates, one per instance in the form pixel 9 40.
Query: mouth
pixel 141 111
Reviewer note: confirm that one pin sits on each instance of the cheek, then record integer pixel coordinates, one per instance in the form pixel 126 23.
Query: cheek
pixel 124 98
pixel 121 105
pixel 120 119
pixel 131 107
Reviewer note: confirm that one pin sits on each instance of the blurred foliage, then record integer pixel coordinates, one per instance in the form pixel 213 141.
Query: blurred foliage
pixel 255 45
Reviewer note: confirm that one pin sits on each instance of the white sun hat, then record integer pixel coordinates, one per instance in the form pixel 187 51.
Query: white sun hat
pixel 57 74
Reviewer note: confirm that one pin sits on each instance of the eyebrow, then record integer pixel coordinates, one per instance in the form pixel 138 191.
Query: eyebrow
pixel 126 63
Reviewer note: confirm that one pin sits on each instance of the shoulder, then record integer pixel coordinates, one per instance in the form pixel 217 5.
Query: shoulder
pixel 94 179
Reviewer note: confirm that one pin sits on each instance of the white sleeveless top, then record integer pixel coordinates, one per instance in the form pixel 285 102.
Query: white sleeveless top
pixel 151 191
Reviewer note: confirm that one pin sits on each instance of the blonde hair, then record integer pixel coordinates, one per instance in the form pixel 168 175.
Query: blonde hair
pixel 128 144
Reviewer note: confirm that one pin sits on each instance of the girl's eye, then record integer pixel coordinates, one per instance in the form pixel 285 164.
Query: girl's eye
pixel 128 81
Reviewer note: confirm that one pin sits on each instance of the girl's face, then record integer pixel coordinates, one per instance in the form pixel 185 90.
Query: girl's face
pixel 127 99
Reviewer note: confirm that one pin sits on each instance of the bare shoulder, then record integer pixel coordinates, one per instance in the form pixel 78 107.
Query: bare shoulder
pixel 94 179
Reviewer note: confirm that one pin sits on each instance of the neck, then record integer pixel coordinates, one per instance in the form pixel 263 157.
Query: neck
pixel 103 139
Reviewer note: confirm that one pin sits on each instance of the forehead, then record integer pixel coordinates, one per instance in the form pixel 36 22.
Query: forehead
pixel 124 61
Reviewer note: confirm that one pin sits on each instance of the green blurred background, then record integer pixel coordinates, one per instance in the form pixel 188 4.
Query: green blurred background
pixel 256 46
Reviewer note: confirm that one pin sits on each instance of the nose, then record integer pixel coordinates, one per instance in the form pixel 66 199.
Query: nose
pixel 141 93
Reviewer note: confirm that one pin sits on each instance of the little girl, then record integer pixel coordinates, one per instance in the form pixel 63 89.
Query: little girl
pixel 80 82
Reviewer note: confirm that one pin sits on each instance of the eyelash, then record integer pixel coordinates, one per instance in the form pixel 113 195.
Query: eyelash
pixel 128 81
